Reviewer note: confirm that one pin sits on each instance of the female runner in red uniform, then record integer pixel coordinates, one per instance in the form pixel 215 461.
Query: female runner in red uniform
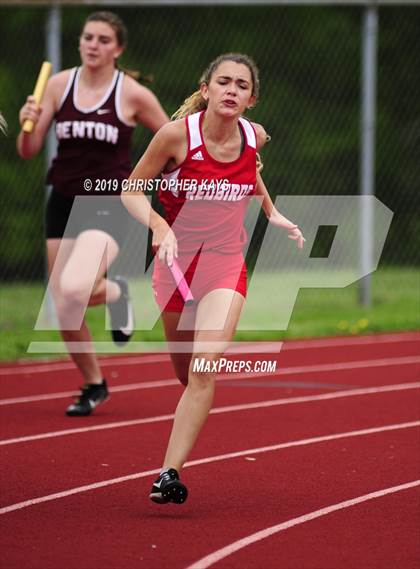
pixel 96 108
pixel 210 158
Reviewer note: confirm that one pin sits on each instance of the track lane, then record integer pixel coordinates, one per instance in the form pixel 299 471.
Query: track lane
pixel 15 381
pixel 112 518
pixel 260 404
pixel 40 465
pixel 231 389
pixel 343 539
pixel 120 519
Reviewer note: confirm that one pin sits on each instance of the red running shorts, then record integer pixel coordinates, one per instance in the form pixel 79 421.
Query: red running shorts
pixel 204 272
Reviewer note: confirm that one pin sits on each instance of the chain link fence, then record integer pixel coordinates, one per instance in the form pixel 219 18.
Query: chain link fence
pixel 310 65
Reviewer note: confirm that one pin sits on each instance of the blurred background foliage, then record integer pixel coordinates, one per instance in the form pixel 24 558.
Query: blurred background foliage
pixel 310 64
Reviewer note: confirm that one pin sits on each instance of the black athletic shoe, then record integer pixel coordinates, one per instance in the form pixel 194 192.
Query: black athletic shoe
pixel 168 488
pixel 92 395
pixel 122 314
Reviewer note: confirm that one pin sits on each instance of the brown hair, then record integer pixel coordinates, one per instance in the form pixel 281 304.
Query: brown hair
pixel 112 20
pixel 121 34
pixel 195 102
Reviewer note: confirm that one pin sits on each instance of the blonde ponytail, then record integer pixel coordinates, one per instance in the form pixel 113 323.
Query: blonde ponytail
pixel 193 104
pixel 3 124
pixel 260 163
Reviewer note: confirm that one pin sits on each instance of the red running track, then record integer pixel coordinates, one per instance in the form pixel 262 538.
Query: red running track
pixel 315 466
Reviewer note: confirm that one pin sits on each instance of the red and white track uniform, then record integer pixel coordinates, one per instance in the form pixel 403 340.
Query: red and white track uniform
pixel 205 202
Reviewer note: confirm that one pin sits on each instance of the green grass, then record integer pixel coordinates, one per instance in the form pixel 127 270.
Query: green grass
pixel 317 312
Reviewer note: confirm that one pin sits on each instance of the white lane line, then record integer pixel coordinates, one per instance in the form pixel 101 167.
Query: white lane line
pixel 114 389
pixel 224 552
pixel 326 368
pixel 65 365
pixel 217 411
pixel 207 460
pixel 256 346
pixel 317 343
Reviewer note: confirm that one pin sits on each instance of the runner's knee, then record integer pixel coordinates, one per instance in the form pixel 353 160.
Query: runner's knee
pixel 73 290
pixel 203 370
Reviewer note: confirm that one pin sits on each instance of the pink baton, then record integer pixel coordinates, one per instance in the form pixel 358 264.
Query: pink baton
pixel 181 283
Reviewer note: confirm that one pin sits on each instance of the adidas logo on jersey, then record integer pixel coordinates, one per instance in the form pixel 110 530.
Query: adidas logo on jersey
pixel 197 156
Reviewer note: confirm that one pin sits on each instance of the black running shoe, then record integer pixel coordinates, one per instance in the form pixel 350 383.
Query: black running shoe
pixel 92 395
pixel 168 488
pixel 122 314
